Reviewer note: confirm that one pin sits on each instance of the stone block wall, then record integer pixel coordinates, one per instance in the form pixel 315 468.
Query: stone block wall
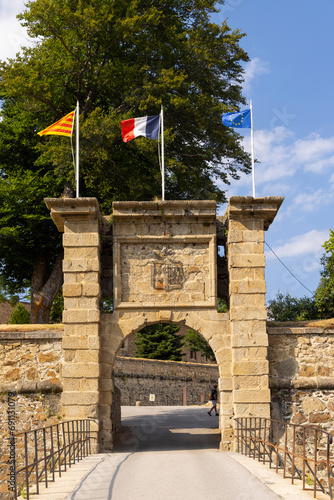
pixel 31 358
pixel 82 373
pixel 248 218
pixel 164 254
pixel 301 361
pixel 170 381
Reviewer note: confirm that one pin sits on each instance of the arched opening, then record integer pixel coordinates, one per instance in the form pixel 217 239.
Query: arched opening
pixel 116 328
pixel 164 402
pixel 156 366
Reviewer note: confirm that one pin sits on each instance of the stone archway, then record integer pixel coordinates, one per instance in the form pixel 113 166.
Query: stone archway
pixel 164 269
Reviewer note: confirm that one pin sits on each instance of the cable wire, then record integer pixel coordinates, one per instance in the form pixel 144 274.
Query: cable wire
pixel 312 293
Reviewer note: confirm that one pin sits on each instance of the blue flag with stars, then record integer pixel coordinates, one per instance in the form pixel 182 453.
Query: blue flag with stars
pixel 240 119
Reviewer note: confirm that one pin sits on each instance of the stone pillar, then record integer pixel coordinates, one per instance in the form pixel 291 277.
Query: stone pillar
pixel 248 218
pixel 78 219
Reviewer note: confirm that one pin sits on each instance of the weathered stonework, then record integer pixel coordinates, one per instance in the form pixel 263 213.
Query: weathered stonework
pixel 79 221
pixel 301 367
pixel 248 218
pixel 164 269
pixel 31 358
pixel 172 382
pixel 164 254
pixel 301 361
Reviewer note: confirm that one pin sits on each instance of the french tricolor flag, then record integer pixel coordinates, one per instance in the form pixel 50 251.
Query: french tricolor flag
pixel 147 126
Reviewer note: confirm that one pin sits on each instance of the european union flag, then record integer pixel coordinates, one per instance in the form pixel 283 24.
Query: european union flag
pixel 240 119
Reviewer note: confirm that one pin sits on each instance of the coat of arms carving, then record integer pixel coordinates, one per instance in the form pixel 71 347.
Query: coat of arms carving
pixel 166 274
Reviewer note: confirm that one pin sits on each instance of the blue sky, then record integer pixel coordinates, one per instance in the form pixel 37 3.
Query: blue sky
pixel 290 81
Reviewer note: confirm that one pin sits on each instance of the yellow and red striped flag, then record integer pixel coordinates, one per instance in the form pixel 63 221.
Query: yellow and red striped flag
pixel 64 126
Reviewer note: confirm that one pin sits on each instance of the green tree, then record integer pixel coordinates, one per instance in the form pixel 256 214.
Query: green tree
pixel 57 308
pixel 221 306
pixel 20 315
pixel 119 60
pixel 287 308
pixel 30 248
pixel 324 295
pixel 159 341
pixel 196 343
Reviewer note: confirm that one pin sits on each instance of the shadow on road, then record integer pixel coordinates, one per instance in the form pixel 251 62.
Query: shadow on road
pixel 167 428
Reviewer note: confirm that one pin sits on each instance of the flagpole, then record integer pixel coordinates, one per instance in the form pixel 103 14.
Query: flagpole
pixel 252 147
pixel 162 155
pixel 77 152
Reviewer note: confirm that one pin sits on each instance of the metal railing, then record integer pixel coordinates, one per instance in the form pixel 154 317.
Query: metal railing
pixel 301 452
pixel 42 453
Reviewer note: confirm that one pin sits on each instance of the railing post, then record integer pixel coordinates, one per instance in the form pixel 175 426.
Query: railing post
pixel 45 462
pixel 264 440
pixel 89 436
pixel 329 442
pixel 238 444
pixel 293 454
pixel 58 451
pixel 64 441
pixel 52 464
pixel 26 464
pixel 315 463
pixel 36 460
pixel 258 432
pixel 277 444
pixel 304 458
pixel 285 448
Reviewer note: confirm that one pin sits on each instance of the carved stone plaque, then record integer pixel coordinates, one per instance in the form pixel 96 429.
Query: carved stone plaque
pixel 167 275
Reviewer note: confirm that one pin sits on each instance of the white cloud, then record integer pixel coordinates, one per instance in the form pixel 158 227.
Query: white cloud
pixel 320 165
pixel 315 152
pixel 253 69
pixel 309 202
pixel 12 35
pixel 272 148
pixel 303 244
pixel 281 157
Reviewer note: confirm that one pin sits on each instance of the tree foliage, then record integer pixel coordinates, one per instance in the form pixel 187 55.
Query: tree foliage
pixel 20 315
pixel 287 308
pixel 119 60
pixel 221 306
pixel 57 308
pixel 324 296
pixel 196 343
pixel 160 341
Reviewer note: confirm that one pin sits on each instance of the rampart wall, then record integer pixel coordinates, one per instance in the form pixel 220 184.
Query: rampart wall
pixel 171 382
pixel 301 364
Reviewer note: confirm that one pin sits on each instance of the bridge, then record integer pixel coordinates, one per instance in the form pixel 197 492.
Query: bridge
pixel 166 262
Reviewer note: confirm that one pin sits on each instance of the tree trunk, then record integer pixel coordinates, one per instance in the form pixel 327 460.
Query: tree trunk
pixel 43 290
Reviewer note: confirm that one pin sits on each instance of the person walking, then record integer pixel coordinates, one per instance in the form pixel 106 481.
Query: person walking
pixel 214 400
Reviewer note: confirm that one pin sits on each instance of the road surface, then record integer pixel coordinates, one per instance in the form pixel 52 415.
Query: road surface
pixel 170 453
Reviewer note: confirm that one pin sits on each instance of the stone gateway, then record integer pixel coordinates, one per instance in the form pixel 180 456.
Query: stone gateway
pixel 164 269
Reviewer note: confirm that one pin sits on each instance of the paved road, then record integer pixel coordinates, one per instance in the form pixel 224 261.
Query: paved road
pixel 170 453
